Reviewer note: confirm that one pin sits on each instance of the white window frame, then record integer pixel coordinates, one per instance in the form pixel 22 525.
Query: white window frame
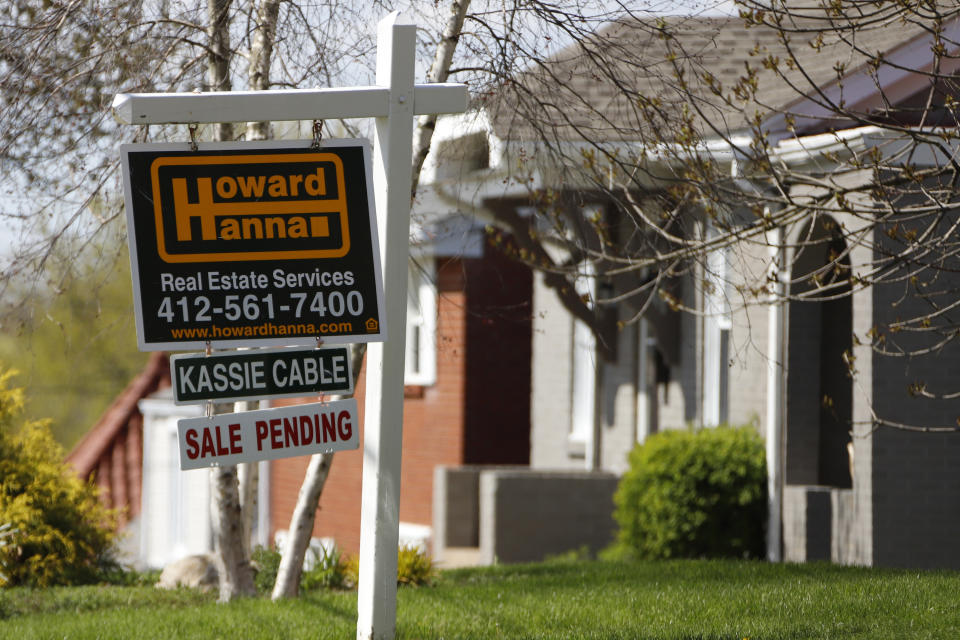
pixel 716 340
pixel 583 374
pixel 420 361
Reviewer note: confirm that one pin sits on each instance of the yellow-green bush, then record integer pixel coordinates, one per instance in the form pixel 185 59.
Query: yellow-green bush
pixel 63 534
pixel 694 494
pixel 414 567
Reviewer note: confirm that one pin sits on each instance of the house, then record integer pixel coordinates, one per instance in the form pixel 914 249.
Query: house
pixel 845 483
pixel 467 395
pixel 519 419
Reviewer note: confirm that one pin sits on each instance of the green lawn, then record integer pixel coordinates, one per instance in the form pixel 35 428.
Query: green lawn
pixel 682 600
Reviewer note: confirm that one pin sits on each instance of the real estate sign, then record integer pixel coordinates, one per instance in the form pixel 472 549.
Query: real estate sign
pixel 268 434
pixel 258 374
pixel 252 244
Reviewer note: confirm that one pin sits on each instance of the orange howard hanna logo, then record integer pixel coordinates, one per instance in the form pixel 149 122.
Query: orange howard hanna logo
pixel 222 208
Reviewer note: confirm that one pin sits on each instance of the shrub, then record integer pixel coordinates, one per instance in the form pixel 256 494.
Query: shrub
pixel 694 494
pixel 414 566
pixel 329 571
pixel 266 562
pixel 62 533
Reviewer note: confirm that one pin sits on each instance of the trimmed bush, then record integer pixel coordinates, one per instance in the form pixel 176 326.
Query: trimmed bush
pixel 58 532
pixel 694 494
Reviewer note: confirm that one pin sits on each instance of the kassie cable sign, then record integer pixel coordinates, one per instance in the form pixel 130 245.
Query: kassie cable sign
pixel 252 244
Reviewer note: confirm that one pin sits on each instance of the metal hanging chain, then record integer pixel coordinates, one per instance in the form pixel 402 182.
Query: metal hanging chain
pixel 317 134
pixel 208 405
pixel 192 128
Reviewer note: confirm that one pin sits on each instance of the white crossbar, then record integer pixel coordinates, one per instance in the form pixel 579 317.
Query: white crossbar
pixel 285 104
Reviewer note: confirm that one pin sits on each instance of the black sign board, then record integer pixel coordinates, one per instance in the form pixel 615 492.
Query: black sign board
pixel 252 244
pixel 257 374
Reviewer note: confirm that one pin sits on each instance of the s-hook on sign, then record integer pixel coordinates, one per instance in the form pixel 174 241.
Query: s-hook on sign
pixel 252 244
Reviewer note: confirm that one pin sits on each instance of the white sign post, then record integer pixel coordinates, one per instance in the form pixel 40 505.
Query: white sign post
pixel 393 102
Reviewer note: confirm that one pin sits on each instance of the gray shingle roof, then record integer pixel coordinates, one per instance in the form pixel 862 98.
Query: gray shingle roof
pixel 624 83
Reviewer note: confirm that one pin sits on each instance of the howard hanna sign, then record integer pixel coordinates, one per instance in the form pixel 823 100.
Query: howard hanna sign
pixel 252 244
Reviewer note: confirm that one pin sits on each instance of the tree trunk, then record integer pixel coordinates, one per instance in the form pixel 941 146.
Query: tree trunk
pixel 301 527
pixel 261 53
pixel 233 562
pixel 439 72
pixel 230 547
pixel 218 57
pixel 305 512
pixel 248 479
pixel 258 73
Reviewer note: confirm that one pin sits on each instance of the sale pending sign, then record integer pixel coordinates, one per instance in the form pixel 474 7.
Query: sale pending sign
pixel 268 434
pixel 252 244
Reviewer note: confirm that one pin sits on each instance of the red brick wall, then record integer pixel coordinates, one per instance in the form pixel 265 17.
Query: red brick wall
pixel 434 415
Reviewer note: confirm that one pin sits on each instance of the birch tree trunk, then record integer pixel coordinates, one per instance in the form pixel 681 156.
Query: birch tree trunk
pixel 233 561
pixel 261 54
pixel 230 546
pixel 301 527
pixel 248 479
pixel 218 57
pixel 305 512
pixel 258 73
pixel 439 72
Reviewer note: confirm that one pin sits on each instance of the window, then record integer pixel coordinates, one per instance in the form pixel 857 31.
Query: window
pixel 421 349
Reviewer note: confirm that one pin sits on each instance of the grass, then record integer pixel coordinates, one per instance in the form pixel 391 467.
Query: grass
pixel 678 600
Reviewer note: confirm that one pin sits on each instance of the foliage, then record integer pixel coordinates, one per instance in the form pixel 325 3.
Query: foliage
pixel 266 562
pixel 64 534
pixel 6 533
pixel 329 571
pixel 74 337
pixel 694 494
pixel 414 566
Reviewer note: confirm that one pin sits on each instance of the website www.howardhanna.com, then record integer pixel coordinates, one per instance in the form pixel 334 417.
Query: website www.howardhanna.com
pixel 265 330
